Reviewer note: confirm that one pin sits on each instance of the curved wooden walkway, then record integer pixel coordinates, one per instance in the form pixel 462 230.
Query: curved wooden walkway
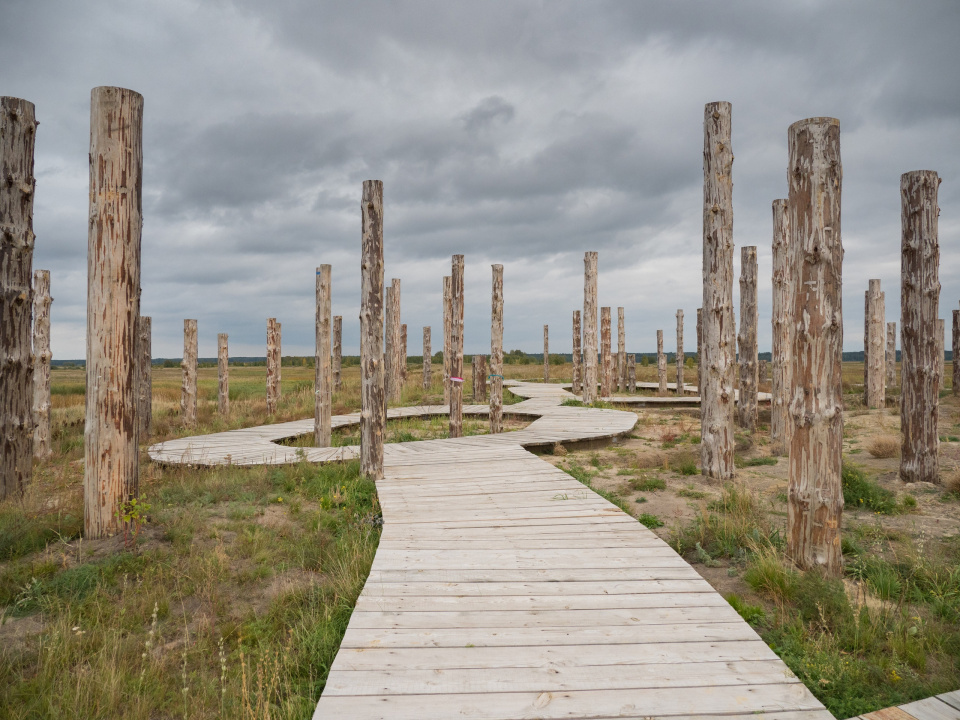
pixel 503 588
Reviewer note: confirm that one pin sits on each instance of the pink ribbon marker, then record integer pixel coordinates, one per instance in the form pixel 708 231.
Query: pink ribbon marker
pixel 455 379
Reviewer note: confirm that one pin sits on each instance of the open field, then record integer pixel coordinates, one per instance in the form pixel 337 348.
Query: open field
pixel 237 590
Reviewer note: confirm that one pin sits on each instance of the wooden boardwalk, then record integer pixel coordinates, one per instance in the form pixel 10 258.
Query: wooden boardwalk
pixel 939 707
pixel 503 588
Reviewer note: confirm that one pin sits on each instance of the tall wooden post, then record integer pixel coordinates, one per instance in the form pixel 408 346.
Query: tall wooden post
pixel 337 352
pixel 546 353
pixel 395 383
pixel 700 351
pixel 18 127
pixel 681 356
pixel 763 374
pixel 606 356
pixel 621 351
pixel 323 372
pixel 661 365
pixel 188 365
pixel 941 339
pixel 427 359
pixel 273 365
pixel 816 385
pixel 719 342
pixel 631 373
pixel 111 456
pixel 749 318
pixel 781 425
pixel 891 354
pixel 373 412
pixel 403 356
pixel 389 342
pixel 145 378
pixel 223 374
pixel 41 364
pixel 919 307
pixel 956 352
pixel 480 379
pixel 577 387
pixel 589 327
pixel 496 351
pixel 456 347
pixel 876 381
pixel 447 319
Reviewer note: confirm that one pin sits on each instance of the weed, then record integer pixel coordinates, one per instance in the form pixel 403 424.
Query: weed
pixel 884 446
pixel 647 484
pixel 754 462
pixel 753 614
pixel 691 492
pixel 860 492
pixel 651 521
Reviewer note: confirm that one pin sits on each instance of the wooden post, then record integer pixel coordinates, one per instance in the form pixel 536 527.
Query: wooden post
pixel 389 343
pixel 395 383
pixel 188 365
pixel 763 371
pixel 496 351
pixel 941 363
pixel 18 128
pixel 273 367
pixel 223 374
pixel 919 306
pixel 681 356
pixel 891 354
pixel 956 352
pixel 447 314
pixel 606 356
pixel 699 351
pixel 589 327
pixel 323 372
pixel 456 347
pixel 403 356
pixel 631 373
pixel 719 343
pixel 749 318
pixel 480 379
pixel 111 456
pixel 546 353
pixel 781 426
pixel 373 413
pixel 621 351
pixel 145 375
pixel 661 365
pixel 876 381
pixel 577 387
pixel 41 364
pixel 337 351
pixel 816 385
pixel 427 359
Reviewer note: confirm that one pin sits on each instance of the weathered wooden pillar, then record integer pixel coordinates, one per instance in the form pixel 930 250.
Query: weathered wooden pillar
pixel 700 351
pixel 403 356
pixel 876 381
pixel 395 383
pixel 223 374
pixel 390 342
pixel 919 306
pixel 111 456
pixel 891 354
pixel 606 356
pixel 589 327
pixel 681 356
pixel 273 367
pixel 577 387
pixel 427 359
pixel 661 365
pixel 621 351
pixel 323 372
pixel 546 353
pixel 941 340
pixel 496 351
pixel 447 314
pixel 188 365
pixel 816 385
pixel 956 352
pixel 18 128
pixel 456 347
pixel 337 353
pixel 781 425
pixel 373 412
pixel 631 373
pixel 41 364
pixel 145 378
pixel 763 371
pixel 749 318
pixel 719 343
pixel 480 381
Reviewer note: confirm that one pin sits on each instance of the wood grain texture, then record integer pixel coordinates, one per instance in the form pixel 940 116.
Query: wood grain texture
pixel 621 351
pixel 223 374
pixel 546 353
pixel 337 353
pixel 589 327
pixel 699 351
pixel 874 360
pixel 661 366
pixel 456 346
pixel 479 378
pixel 396 353
pixel 577 356
pixel 681 356
pixel 631 373
pixel 815 508
pixel 145 377
pixel 781 426
pixel 273 365
pixel 188 374
pixel 496 351
pixel 941 339
pixel 719 340
pixel 956 353
pixel 111 456
pixel 747 340
pixel 403 355
pixel 447 319
pixel 919 307
pixel 427 359
pixel 606 356
pixel 891 354
pixel 41 364
pixel 323 370
pixel 18 130
pixel 372 399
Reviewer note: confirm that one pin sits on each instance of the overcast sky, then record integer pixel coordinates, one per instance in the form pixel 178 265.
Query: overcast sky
pixel 520 133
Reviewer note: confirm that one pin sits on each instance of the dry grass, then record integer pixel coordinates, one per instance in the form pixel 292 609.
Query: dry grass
pixel 884 446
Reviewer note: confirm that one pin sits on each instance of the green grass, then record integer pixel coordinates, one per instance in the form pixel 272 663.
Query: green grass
pixel 861 492
pixel 651 521
pixel 647 484
pixel 754 462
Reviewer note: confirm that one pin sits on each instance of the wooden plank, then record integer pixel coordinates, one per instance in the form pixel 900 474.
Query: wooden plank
pixel 534 589
pixel 951 698
pixel 932 708
pixel 699 598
